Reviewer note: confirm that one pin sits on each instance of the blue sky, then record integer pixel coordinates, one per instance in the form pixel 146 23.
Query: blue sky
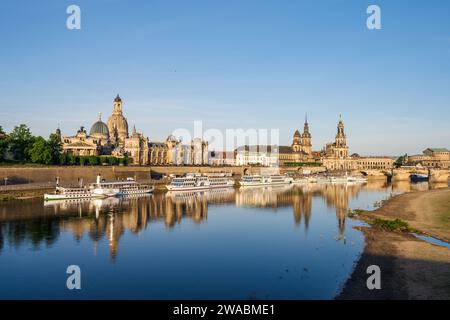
pixel 233 64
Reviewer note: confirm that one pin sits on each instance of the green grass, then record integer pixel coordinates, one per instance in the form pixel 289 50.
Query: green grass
pixel 392 225
pixel 355 212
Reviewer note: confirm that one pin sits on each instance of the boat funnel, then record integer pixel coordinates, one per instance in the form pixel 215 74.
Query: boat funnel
pixel 99 179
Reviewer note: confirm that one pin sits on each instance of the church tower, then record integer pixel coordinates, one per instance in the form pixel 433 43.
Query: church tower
pixel 117 105
pixel 341 148
pixel 117 123
pixel 297 142
pixel 306 138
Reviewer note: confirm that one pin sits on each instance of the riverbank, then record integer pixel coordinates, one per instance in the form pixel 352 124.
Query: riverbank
pixel 8 195
pixel 410 268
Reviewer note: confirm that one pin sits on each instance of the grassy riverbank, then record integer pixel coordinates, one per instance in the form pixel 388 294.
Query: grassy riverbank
pixel 410 268
pixel 23 194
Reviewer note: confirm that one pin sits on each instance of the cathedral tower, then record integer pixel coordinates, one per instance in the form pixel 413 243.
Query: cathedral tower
pixel 341 148
pixel 306 138
pixel 297 142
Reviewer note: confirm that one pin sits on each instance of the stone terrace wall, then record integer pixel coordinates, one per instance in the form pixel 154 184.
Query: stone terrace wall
pixel 71 174
pixel 68 174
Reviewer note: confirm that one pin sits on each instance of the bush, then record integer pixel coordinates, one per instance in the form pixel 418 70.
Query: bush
pixel 113 161
pixel 392 225
pixel 83 161
pixel 73 160
pixel 63 159
pixel 355 212
pixel 93 160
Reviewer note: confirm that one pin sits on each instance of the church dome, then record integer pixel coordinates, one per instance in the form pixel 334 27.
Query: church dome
pixel 119 123
pixel 99 128
pixel 171 138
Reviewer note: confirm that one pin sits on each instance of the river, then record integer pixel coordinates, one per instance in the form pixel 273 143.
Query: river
pixel 288 242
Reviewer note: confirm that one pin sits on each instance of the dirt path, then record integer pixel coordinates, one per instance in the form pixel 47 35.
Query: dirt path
pixel 410 268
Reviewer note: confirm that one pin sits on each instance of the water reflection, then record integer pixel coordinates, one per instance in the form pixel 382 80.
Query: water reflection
pixel 259 243
pixel 36 224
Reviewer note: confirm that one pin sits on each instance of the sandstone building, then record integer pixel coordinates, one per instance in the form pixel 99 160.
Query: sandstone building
pixel 431 157
pixel 113 138
pixel 299 152
pixel 335 156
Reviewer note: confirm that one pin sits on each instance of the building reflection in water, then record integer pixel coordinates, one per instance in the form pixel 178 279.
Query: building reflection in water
pixel 29 221
pixel 299 197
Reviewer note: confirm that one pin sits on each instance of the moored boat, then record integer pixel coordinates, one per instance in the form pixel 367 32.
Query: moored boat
pixel 262 180
pixel 129 187
pixel 338 179
pixel 419 177
pixel 356 179
pixel 62 193
pixel 99 189
pixel 200 182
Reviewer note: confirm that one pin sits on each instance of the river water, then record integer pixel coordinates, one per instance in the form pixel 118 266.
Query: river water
pixel 289 242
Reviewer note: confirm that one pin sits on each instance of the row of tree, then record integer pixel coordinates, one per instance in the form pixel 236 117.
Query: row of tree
pixel 20 146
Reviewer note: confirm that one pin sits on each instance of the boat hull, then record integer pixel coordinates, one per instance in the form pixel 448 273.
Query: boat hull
pixel 247 184
pixel 136 192
pixel 50 197
pixel 174 188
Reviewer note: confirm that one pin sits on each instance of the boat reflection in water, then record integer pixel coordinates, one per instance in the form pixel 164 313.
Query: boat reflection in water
pixel 266 242
pixel 109 218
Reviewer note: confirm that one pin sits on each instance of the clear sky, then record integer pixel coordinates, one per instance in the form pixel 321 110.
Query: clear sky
pixel 233 64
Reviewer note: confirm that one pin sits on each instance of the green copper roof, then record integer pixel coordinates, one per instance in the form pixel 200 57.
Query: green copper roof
pixel 439 149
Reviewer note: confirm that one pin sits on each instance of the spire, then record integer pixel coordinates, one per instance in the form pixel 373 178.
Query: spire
pixel 134 130
pixel 306 118
pixel 117 98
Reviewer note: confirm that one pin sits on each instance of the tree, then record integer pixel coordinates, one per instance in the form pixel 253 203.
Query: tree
pixel 3 148
pixel 19 141
pixel 93 160
pixel 400 161
pixel 3 144
pixel 40 151
pixel 63 159
pixel 83 160
pixel 72 160
pixel 112 161
pixel 54 145
pixel 45 152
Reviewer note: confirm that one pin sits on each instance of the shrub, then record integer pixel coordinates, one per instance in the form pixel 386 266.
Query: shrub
pixel 113 161
pixel 93 160
pixel 73 160
pixel 83 161
pixel 355 212
pixel 392 225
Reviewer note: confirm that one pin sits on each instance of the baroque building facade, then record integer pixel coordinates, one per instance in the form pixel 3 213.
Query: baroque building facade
pixel 431 157
pixel 299 152
pixel 112 138
pixel 335 156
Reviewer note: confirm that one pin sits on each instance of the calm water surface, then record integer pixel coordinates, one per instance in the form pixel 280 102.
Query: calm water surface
pixel 291 242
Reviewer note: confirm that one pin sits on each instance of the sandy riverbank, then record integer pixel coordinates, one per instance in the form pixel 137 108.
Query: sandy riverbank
pixel 410 268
